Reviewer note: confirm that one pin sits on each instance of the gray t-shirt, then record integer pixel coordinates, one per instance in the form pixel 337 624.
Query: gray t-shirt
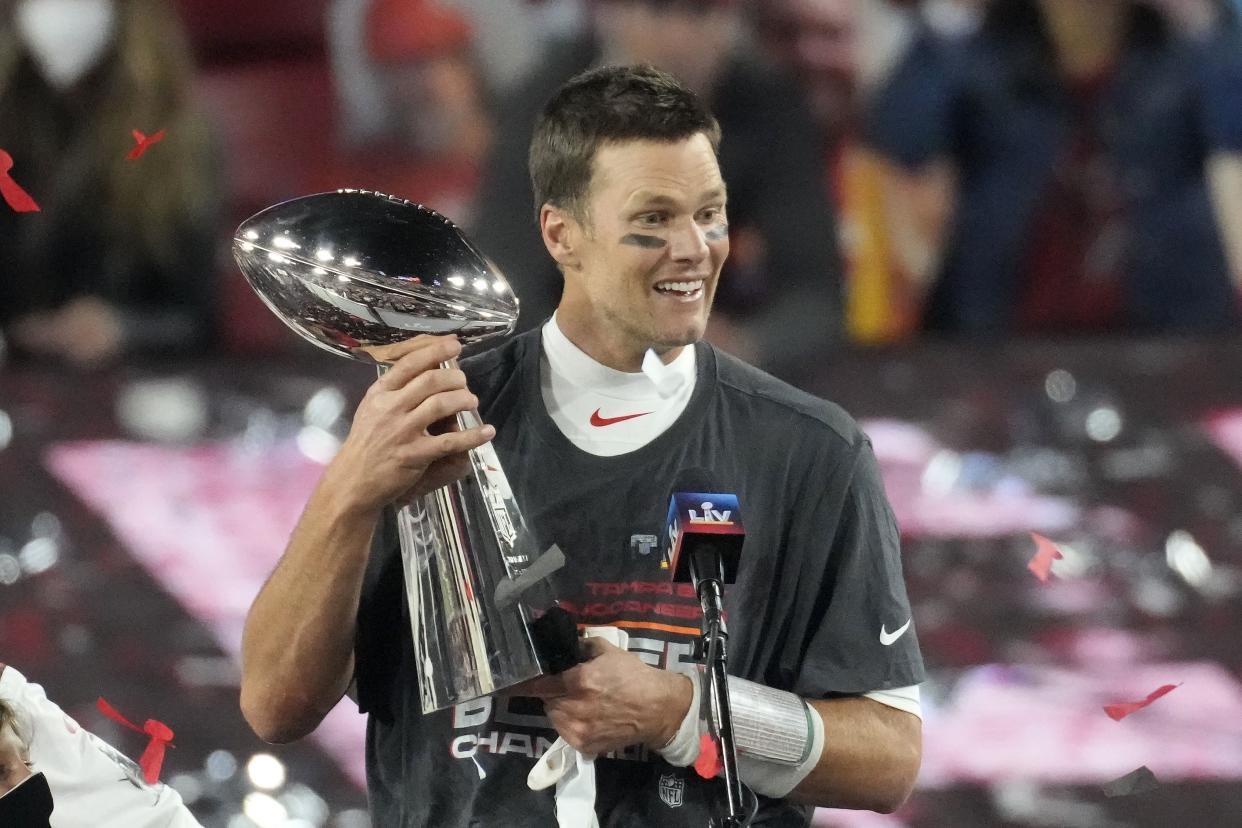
pixel 820 575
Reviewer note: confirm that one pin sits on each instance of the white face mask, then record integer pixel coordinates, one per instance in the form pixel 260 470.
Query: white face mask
pixel 66 38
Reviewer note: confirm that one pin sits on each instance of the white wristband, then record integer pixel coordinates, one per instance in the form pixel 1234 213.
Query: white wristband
pixel 683 748
pixel 778 780
pixel 764 774
pixel 769 724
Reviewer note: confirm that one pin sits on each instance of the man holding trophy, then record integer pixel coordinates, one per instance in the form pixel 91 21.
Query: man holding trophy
pixel 594 417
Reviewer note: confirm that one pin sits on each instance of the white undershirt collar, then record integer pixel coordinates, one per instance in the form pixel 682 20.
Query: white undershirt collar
pixel 570 363
pixel 604 411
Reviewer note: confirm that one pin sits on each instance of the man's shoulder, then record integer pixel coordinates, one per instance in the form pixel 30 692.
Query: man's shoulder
pixel 781 405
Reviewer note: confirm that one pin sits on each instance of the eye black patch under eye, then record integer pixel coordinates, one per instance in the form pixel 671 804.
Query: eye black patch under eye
pixel 720 231
pixel 640 240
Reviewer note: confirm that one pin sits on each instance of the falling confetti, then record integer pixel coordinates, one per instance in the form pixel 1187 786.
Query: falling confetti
pixel 144 143
pixel 152 758
pixel 1046 553
pixel 1137 781
pixel 1119 711
pixel 17 198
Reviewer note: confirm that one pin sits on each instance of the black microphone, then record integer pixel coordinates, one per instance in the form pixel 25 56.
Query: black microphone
pixel 705 535
pixel 705 530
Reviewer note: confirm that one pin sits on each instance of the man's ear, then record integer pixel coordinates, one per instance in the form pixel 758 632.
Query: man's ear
pixel 561 232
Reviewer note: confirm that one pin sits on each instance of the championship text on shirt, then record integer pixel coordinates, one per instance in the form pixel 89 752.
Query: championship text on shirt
pixel 503 725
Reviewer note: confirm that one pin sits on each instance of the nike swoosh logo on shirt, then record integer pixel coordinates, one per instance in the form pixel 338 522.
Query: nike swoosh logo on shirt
pixel 600 422
pixel 887 638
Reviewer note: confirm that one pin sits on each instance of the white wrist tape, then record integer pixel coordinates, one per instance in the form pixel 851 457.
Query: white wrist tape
pixel 683 748
pixel 778 779
pixel 769 724
pixel 779 737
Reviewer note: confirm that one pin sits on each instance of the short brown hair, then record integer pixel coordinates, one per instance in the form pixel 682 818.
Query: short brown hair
pixel 601 106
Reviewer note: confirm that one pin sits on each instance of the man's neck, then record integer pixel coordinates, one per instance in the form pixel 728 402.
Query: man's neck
pixel 593 340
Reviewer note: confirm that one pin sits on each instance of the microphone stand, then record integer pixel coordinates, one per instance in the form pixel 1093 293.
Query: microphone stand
pixel 708 579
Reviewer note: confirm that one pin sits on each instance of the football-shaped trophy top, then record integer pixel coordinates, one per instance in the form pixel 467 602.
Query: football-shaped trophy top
pixel 354 268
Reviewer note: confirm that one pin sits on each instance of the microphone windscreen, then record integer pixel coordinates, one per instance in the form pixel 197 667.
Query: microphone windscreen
pixel 704 518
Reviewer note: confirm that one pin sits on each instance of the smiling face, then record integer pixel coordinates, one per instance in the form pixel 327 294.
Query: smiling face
pixel 642 265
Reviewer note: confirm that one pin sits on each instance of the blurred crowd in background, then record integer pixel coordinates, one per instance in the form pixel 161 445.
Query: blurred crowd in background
pixel 979 169
pixel 1054 173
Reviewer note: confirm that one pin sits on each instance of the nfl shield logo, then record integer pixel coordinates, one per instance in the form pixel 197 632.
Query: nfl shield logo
pixel 643 544
pixel 671 789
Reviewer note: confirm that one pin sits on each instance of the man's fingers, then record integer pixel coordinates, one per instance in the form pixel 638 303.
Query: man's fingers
pixel 456 442
pixel 438 406
pixel 424 385
pixel 594 647
pixel 572 723
pixel 544 687
pixel 442 472
pixel 450 460
pixel 444 426
pixel 428 450
pixel 395 350
pixel 413 357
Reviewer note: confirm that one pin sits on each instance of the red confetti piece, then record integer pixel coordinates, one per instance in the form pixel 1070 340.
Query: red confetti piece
pixel 152 758
pixel 1119 711
pixel 1046 552
pixel 17 198
pixel 144 143
pixel 708 764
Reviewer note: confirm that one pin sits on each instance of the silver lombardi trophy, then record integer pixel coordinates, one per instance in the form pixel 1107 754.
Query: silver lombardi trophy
pixel 351 269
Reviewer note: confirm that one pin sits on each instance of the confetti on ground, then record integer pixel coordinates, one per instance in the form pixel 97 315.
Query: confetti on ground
pixel 144 143
pixel 17 198
pixel 1119 711
pixel 1046 552
pixel 1137 781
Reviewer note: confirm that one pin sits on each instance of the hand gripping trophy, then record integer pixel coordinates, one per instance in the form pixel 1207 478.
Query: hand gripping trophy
pixel 351 269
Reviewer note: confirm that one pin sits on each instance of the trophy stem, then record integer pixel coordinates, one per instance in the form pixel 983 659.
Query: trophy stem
pixel 459 544
pixel 352 270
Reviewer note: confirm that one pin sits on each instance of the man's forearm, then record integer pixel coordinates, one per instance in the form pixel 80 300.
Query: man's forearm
pixel 870 759
pixel 298 643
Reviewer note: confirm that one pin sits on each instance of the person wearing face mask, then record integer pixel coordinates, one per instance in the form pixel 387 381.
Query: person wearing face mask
pixel 54 774
pixel 120 257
